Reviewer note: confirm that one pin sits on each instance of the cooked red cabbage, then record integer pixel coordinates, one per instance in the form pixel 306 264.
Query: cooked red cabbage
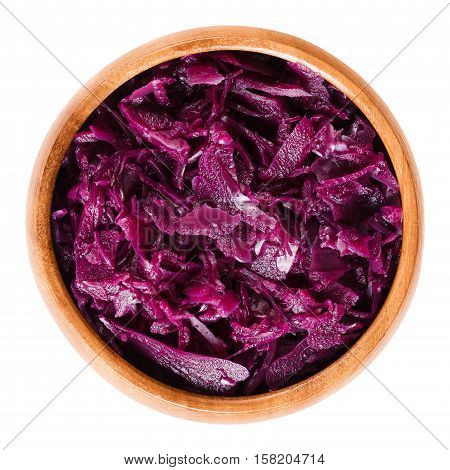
pixel 229 222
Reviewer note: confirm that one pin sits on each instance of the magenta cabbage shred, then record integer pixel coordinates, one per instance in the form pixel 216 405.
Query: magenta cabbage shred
pixel 228 222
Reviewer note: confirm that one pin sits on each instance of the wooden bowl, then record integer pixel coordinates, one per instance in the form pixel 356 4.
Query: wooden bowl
pixel 117 370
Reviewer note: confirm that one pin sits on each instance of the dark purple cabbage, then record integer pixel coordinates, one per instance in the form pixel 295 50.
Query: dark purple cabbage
pixel 229 222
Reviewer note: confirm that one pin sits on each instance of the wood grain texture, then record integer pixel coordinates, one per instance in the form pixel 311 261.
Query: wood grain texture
pixel 114 368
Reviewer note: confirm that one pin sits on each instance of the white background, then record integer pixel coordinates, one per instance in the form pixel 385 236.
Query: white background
pixel 92 425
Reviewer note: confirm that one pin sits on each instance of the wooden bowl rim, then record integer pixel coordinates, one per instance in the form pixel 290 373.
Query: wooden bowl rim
pixel 114 368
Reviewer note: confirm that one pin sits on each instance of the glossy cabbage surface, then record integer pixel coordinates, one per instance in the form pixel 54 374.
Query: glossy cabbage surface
pixel 229 222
